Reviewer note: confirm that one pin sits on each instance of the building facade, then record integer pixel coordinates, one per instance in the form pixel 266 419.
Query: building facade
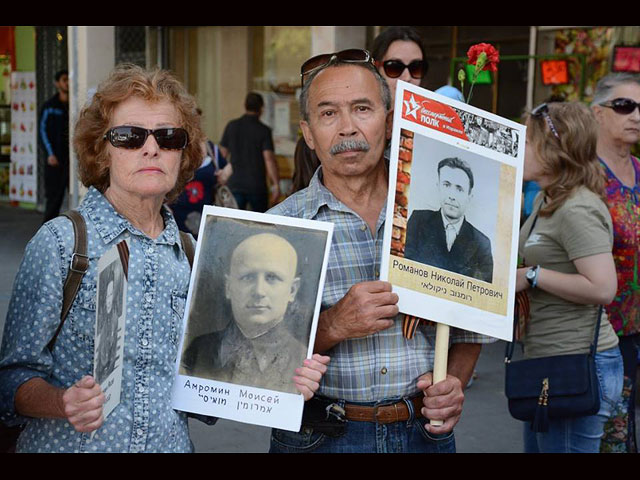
pixel 220 64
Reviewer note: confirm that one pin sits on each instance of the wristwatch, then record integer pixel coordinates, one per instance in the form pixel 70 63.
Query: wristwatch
pixel 532 276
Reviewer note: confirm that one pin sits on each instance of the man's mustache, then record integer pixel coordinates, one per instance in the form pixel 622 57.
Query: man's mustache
pixel 350 146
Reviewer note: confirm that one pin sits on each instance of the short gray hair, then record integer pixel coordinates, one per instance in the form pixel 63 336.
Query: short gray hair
pixel 304 95
pixel 605 86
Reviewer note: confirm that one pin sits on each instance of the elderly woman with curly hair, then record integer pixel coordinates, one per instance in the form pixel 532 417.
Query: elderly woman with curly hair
pixel 138 143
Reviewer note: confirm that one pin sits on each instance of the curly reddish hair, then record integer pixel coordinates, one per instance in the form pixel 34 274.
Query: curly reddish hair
pixel 124 82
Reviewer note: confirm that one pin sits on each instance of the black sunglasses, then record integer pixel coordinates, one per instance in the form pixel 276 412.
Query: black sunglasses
pixel 543 111
pixel 135 137
pixel 353 55
pixel 394 68
pixel 622 106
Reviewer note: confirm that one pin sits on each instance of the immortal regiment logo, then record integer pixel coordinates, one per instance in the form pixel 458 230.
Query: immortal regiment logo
pixel 432 114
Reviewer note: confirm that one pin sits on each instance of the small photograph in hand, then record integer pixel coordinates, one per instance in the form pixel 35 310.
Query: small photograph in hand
pixel 110 327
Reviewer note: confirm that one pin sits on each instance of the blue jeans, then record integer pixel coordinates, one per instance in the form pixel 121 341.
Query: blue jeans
pixel 366 437
pixel 582 434
pixel 629 347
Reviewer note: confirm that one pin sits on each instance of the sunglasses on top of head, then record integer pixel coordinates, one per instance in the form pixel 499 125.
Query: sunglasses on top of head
pixel 353 55
pixel 395 68
pixel 622 106
pixel 543 111
pixel 135 137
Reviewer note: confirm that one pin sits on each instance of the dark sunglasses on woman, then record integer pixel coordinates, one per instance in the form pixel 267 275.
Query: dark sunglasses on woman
pixel 135 137
pixel 622 106
pixel 395 68
pixel 353 55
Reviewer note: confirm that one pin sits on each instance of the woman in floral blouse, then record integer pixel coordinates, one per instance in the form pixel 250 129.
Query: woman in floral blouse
pixel 616 105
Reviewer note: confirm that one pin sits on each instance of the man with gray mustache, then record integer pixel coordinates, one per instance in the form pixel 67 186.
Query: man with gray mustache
pixel 350 145
pixel 378 393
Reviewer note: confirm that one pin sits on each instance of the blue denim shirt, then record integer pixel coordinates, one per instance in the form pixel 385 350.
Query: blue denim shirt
pixel 158 282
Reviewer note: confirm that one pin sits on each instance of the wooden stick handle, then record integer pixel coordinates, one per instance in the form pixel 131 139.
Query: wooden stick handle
pixel 440 360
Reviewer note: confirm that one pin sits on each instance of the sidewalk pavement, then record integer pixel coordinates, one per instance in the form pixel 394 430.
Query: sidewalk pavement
pixel 485 425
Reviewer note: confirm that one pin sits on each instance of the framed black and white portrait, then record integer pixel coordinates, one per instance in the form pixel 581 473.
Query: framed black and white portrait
pixel 450 249
pixel 251 314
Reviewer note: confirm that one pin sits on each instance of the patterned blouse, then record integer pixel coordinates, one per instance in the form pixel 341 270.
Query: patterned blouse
pixel 624 206
pixel 144 421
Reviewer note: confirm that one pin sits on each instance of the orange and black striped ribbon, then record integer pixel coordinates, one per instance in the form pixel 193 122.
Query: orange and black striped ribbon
pixel 123 250
pixel 410 325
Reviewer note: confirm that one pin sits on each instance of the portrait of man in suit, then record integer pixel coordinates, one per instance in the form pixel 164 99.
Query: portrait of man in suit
pixel 110 305
pixel 444 238
pixel 257 347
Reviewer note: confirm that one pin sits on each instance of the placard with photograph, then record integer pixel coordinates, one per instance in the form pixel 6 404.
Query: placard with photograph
pixel 111 301
pixel 251 316
pixel 454 206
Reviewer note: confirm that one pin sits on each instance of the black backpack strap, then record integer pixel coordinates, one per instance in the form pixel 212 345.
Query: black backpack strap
pixel 187 246
pixel 77 269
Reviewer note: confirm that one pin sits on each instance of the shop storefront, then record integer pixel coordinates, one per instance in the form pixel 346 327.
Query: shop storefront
pixel 220 64
pixel 29 58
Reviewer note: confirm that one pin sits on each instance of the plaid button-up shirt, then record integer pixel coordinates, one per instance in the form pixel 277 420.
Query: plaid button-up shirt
pixel 384 365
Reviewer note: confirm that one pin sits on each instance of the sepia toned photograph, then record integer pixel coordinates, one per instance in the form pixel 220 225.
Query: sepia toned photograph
pixel 252 309
pixel 251 316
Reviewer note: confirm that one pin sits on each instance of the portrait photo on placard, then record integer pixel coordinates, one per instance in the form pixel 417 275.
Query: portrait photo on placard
pixel 452 209
pixel 253 301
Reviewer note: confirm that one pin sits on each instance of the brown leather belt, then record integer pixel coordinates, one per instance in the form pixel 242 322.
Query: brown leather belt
pixel 383 414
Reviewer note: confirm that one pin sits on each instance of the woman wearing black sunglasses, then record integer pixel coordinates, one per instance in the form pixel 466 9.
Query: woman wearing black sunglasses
pixel 138 142
pixel 399 55
pixel 616 105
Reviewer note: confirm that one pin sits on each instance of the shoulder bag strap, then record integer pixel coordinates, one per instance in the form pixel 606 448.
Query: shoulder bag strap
pixel 77 269
pixel 187 246
pixel 594 345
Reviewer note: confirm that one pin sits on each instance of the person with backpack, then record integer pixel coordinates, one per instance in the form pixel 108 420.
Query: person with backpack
pixel 138 143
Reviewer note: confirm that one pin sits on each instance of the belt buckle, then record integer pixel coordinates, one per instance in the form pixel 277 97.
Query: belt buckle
pixel 383 421
pixel 75 262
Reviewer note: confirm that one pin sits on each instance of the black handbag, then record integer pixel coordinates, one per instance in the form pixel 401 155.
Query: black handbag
pixel 561 386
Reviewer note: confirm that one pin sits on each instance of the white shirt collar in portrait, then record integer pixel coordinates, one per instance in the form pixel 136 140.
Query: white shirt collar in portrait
pixel 452 229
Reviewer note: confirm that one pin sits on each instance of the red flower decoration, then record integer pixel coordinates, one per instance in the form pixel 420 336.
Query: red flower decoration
pixel 195 191
pixel 493 57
